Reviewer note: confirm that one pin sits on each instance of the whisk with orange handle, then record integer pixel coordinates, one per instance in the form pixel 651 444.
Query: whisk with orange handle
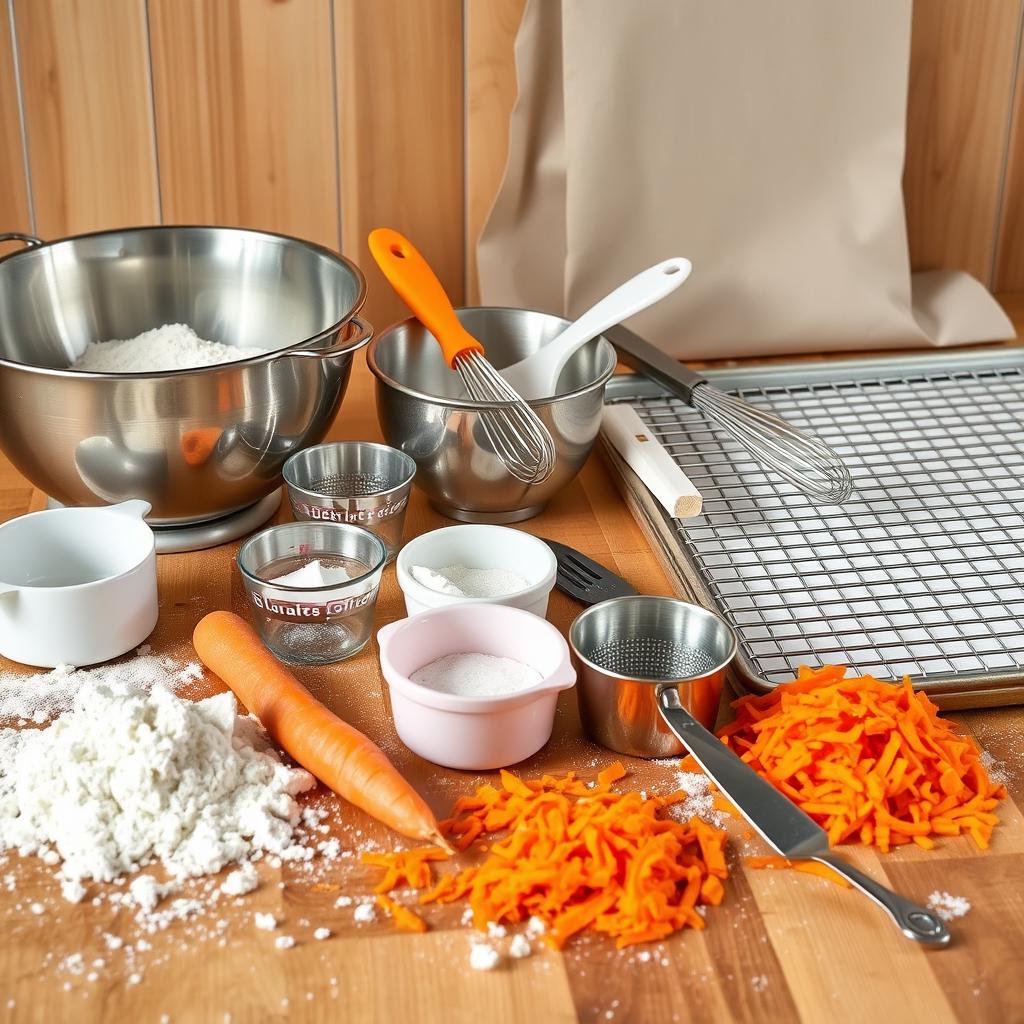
pixel 516 434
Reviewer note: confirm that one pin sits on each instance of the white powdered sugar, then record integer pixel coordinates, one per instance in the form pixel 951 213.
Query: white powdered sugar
pixel 700 799
pixel 948 906
pixel 128 777
pixel 467 581
pixel 313 574
pixel 483 957
pixel 476 675
pixel 239 882
pixel 170 347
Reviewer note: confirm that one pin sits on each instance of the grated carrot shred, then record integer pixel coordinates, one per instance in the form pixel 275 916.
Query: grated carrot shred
pixel 576 855
pixel 406 920
pixel 810 867
pixel 410 867
pixel 871 762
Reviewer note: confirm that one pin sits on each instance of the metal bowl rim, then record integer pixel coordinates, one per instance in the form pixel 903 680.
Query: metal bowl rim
pixel 271 354
pixel 607 673
pixel 468 403
pixel 407 461
pixel 378 566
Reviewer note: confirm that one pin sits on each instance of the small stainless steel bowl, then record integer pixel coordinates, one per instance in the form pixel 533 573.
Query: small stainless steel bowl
pixel 197 444
pixel 627 650
pixel 352 482
pixel 422 412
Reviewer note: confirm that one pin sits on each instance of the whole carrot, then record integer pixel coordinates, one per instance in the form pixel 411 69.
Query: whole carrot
pixel 339 756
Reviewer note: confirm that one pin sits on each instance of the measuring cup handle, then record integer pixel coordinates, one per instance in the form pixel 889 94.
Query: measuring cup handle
pixel 134 507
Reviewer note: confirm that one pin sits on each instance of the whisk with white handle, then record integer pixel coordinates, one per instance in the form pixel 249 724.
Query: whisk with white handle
pixel 516 434
pixel 800 459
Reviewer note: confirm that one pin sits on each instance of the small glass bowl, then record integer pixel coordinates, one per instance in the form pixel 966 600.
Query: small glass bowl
pixel 356 482
pixel 313 625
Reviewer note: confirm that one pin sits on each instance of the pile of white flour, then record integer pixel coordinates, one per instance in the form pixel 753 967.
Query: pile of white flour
pixel 171 347
pixel 128 777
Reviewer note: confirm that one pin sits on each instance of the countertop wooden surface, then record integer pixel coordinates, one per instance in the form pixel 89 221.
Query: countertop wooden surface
pixel 783 947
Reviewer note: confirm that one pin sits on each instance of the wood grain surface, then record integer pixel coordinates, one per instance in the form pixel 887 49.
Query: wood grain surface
pixel 85 81
pixel 243 92
pixel 400 109
pixel 784 947
pixel 963 63
pixel 14 211
pixel 1009 270
pixel 323 119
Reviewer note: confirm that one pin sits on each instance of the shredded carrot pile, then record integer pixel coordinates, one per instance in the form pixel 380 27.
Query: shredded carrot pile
pixel 871 762
pixel 576 855
pixel 405 919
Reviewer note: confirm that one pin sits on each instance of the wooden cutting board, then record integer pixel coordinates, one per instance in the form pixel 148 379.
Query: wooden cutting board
pixel 783 947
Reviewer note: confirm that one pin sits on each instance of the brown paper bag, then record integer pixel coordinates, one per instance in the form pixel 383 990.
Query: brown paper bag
pixel 764 141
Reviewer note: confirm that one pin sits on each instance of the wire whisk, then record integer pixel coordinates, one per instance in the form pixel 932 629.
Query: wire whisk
pixel 801 459
pixel 516 434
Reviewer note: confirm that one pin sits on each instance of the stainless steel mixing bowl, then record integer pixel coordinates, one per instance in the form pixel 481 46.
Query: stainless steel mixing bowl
pixel 423 412
pixel 196 444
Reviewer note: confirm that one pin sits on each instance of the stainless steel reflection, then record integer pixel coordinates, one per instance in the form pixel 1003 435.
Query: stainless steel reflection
pixel 352 482
pixel 198 443
pixel 627 650
pixel 423 412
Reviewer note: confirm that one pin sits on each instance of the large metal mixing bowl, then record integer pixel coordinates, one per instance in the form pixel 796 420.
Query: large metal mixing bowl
pixel 196 444
pixel 423 412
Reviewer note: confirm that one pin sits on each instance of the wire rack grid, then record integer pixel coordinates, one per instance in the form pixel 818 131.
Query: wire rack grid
pixel 920 573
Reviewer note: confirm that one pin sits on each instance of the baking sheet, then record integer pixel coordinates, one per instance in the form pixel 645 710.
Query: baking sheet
pixel 921 573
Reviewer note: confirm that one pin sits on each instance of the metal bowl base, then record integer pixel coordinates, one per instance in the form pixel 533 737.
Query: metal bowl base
pixel 210 532
pixel 465 515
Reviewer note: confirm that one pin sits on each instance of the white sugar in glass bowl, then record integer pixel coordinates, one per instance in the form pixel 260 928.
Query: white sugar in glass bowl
pixel 478 547
pixel 474 732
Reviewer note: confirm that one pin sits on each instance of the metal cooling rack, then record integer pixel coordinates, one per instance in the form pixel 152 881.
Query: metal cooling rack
pixel 921 573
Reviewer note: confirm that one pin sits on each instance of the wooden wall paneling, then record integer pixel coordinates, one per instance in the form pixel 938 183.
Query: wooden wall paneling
pixel 1009 270
pixel 14 206
pixel 961 84
pixel 244 104
pixel 491 27
pixel 400 80
pixel 86 86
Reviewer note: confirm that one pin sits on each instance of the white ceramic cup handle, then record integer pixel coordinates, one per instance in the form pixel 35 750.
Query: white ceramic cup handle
pixel 8 588
pixel 134 507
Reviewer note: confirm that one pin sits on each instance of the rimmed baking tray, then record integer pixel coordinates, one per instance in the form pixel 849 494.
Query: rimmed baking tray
pixel 920 573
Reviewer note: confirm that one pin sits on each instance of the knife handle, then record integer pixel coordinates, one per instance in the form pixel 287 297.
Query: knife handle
pixel 912 919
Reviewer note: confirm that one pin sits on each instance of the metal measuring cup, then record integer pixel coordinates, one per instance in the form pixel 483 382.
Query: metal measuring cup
pixel 355 482
pixel 627 650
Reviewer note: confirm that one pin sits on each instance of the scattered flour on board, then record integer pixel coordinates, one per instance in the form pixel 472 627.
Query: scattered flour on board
pixel 699 802
pixel 38 698
pixel 170 347
pixel 128 777
pixel 998 771
pixel 948 906
pixel 483 957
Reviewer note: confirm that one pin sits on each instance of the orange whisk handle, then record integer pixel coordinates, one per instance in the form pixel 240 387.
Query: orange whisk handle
pixel 410 275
